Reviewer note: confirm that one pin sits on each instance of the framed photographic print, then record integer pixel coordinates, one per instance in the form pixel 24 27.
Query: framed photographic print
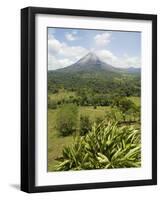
pixel 88 99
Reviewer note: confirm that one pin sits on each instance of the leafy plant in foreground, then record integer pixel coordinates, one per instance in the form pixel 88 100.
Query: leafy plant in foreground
pixel 105 146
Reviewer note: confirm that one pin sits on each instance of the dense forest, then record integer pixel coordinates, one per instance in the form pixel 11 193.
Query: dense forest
pixel 93 89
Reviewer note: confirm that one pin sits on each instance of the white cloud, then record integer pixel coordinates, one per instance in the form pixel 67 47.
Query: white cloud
pixel 121 62
pixel 71 36
pixel 133 61
pixel 106 56
pixel 73 52
pixel 54 63
pixel 53 45
pixel 101 40
pixel 61 54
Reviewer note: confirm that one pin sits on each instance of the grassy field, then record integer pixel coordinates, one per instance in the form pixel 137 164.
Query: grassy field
pixel 55 141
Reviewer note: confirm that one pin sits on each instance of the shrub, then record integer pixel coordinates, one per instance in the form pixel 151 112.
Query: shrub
pixel 52 104
pixel 94 107
pixel 125 105
pixel 113 115
pixel 85 125
pixel 67 119
pixel 105 146
pixel 51 88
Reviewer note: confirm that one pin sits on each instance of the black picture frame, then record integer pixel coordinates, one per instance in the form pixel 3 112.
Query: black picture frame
pixel 28 99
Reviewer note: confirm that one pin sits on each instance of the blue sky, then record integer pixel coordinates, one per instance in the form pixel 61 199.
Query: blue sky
pixel 118 48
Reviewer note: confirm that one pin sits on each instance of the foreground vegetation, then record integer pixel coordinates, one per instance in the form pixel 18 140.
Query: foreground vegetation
pixel 105 146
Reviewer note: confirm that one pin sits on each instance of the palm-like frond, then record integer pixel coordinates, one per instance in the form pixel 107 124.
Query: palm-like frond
pixel 105 146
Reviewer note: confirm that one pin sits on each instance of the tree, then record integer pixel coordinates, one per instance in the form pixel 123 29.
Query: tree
pixel 52 88
pixel 85 125
pixel 113 115
pixel 124 105
pixel 67 118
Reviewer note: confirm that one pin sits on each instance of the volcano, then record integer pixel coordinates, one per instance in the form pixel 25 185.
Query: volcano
pixel 90 62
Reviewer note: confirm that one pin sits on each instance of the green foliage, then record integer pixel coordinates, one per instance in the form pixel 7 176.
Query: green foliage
pixel 107 83
pixel 67 118
pixel 51 87
pixel 98 120
pixel 52 104
pixel 125 106
pixel 85 125
pixel 105 146
pixel 113 115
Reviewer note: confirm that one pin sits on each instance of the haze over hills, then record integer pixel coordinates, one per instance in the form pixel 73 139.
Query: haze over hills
pixel 133 70
pixel 92 63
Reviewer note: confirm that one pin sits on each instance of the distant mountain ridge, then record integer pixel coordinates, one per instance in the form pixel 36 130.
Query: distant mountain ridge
pixel 134 70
